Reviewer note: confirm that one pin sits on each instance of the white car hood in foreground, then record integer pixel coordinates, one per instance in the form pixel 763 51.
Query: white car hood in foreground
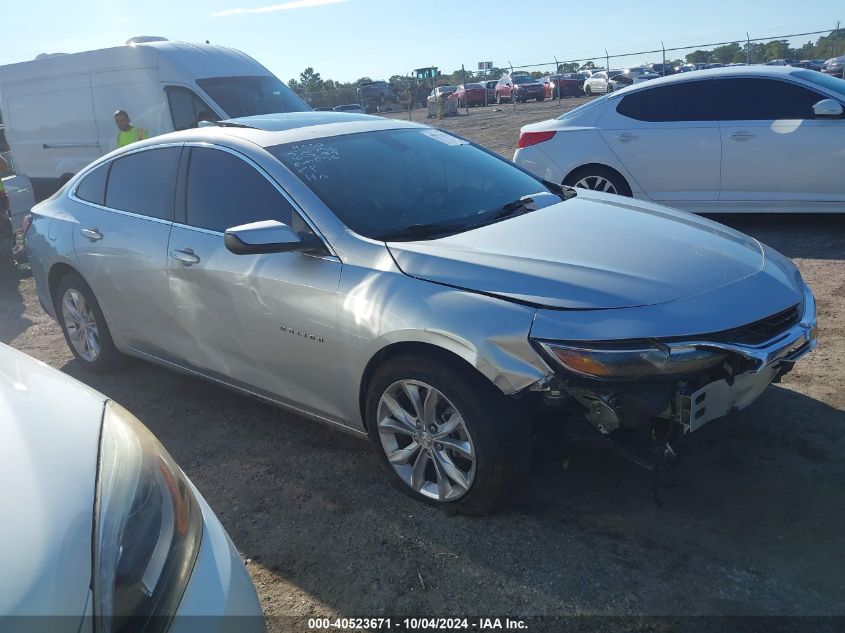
pixel 594 251
pixel 49 439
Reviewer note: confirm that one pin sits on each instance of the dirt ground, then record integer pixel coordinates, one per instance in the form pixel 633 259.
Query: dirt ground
pixel 753 520
pixel 495 127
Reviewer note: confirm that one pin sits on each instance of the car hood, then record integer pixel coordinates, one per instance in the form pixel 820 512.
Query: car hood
pixel 49 439
pixel 594 251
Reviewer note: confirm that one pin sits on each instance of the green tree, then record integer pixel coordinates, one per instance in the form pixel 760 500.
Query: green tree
pixel 832 45
pixel 726 54
pixel 570 67
pixel 699 57
pixel 310 80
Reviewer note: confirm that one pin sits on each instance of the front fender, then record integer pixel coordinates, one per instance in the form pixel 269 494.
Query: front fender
pixel 379 308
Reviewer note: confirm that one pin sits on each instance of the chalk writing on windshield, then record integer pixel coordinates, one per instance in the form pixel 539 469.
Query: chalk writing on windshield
pixel 309 159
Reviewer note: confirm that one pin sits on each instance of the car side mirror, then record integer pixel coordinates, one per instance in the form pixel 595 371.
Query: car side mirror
pixel 268 236
pixel 827 108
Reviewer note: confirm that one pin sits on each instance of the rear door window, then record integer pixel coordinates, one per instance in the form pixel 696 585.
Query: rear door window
pixel 225 191
pixel 682 101
pixel 92 187
pixel 144 182
pixel 756 99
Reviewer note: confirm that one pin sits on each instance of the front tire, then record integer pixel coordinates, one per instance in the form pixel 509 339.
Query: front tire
pixel 588 91
pixel 84 326
pixel 445 435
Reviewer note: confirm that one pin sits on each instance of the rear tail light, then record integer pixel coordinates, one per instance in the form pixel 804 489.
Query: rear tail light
pixel 532 138
pixel 25 226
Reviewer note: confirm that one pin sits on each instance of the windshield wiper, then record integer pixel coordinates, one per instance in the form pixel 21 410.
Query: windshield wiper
pixel 420 231
pixel 523 204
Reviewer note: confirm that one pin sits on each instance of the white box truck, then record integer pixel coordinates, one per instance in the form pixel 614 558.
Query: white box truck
pixel 58 110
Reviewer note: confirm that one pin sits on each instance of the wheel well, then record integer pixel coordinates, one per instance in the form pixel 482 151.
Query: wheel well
pixel 54 276
pixel 589 166
pixel 407 349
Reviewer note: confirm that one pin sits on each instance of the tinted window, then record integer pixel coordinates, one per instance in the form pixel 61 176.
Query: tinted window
pixel 225 191
pixel 248 96
pixel 828 81
pixel 144 182
pixel 379 182
pixel 748 99
pixel 92 188
pixel 187 109
pixel 685 101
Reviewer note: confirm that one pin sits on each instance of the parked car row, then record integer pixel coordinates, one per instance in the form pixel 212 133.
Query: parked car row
pixel 606 81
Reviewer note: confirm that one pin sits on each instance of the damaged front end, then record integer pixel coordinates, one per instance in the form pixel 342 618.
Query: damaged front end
pixel 657 390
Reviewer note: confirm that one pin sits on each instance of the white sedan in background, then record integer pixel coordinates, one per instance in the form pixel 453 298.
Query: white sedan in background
pixel 743 139
pixel 100 526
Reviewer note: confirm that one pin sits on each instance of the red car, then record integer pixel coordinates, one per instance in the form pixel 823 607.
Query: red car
pixel 568 85
pixel 469 95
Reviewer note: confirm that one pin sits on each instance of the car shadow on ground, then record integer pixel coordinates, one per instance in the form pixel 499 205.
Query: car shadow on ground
pixel 793 234
pixel 12 307
pixel 753 518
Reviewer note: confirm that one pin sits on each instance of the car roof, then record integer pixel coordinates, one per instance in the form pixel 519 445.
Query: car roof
pixel 711 73
pixel 269 130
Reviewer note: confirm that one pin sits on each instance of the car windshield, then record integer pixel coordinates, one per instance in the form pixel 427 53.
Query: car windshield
pixel 411 183
pixel 522 79
pixel 248 96
pixel 820 79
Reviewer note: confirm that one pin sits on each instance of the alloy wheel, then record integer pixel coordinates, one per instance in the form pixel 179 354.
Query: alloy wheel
pixel 596 183
pixel 426 440
pixel 81 325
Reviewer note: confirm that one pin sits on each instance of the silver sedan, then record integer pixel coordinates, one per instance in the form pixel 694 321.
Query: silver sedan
pixel 411 287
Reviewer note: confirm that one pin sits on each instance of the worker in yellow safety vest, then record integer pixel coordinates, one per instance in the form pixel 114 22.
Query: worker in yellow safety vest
pixel 128 133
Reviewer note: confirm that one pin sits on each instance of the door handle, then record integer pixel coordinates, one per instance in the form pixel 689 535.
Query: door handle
pixel 627 137
pixel 92 234
pixel 186 256
pixel 742 136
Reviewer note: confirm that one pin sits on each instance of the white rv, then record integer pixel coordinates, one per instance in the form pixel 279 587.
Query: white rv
pixel 58 110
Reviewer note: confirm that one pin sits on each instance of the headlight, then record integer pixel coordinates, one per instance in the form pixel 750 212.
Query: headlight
pixel 147 529
pixel 613 363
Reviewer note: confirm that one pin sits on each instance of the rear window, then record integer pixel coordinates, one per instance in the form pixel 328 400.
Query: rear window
pixel 144 182
pixel 684 101
pixel 92 188
pixel 249 96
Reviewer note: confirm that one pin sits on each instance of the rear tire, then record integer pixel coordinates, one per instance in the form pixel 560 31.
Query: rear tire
pixel 464 447
pixel 84 326
pixel 598 178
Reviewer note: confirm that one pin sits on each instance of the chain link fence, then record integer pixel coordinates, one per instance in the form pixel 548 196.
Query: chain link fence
pixel 408 94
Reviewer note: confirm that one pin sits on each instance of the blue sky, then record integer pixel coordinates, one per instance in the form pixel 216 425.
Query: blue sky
pixel 347 39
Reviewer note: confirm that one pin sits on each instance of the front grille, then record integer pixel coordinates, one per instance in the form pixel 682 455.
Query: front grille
pixel 757 332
